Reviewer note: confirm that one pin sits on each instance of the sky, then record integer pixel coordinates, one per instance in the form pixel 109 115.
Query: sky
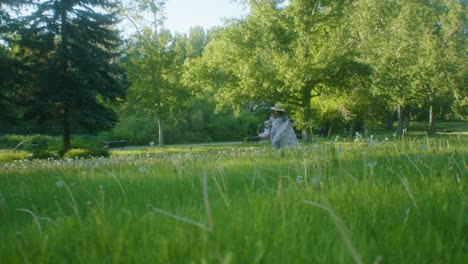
pixel 181 15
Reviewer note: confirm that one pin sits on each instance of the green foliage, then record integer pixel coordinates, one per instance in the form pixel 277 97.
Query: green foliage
pixel 99 152
pixel 40 141
pixel 412 47
pixel 195 121
pixel 137 129
pixel 43 146
pixel 88 141
pixel 9 155
pixel 32 142
pixel 78 153
pixel 10 141
pixel 44 154
pixel 345 64
pixel 281 53
pixel 72 49
pixel 374 57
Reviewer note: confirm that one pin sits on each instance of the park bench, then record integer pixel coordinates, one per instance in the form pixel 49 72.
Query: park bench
pixel 115 144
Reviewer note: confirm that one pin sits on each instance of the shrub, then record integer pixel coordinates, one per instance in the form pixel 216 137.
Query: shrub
pixel 40 141
pixel 86 153
pixel 43 154
pixel 99 152
pixel 10 141
pixel 136 130
pixel 34 142
pixel 77 153
pixel 13 155
pixel 86 141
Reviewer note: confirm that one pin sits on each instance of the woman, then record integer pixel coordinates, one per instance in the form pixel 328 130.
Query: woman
pixel 281 134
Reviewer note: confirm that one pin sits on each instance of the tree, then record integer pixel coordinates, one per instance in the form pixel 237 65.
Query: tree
pixel 287 53
pixel 13 72
pixel 153 62
pixel 76 48
pixel 441 55
pixel 416 50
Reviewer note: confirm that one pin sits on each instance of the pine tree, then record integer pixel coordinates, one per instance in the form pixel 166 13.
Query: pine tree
pixel 76 49
pixel 11 69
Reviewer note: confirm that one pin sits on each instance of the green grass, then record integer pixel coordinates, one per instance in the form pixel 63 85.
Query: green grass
pixel 395 201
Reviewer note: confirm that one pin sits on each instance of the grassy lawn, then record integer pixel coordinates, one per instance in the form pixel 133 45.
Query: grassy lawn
pixel 383 200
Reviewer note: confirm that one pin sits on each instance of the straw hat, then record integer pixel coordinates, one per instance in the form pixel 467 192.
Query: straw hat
pixel 278 107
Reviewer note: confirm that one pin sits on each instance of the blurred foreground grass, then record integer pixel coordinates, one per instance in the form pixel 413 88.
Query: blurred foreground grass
pixel 374 201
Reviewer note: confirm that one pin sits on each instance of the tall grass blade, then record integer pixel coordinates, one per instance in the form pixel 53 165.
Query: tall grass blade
pixel 118 182
pixel 207 202
pixel 344 232
pixel 183 219
pixel 36 219
pixel 225 199
pixel 405 185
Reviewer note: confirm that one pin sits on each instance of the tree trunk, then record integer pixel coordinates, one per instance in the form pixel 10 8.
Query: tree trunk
pixel 305 135
pixel 407 121
pixel 66 130
pixel 66 109
pixel 431 120
pixel 306 114
pixel 351 129
pixel 400 119
pixel 160 132
pixel 330 129
pixel 389 122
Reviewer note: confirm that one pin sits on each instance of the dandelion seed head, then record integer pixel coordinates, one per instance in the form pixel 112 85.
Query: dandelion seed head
pixel 358 135
pixel 316 183
pixel 299 179
pixel 340 149
pixel 60 184
pixel 2 200
pixel 143 169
